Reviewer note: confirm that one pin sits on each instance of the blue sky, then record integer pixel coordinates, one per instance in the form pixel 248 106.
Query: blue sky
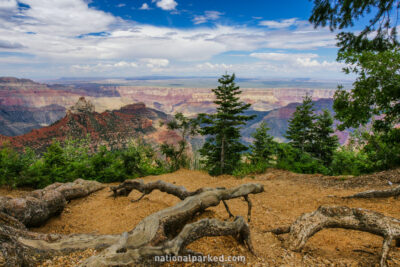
pixel 128 38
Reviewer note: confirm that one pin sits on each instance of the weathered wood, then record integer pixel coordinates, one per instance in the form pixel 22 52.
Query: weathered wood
pixel 40 205
pixel 325 217
pixel 20 247
pixel 125 188
pixel 392 192
pixel 165 232
pixel 155 231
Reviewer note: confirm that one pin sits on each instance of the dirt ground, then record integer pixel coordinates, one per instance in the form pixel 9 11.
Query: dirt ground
pixel 286 197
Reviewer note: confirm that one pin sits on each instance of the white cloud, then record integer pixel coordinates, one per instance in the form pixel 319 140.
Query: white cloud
pixel 66 33
pixel 8 4
pixel 297 60
pixel 103 67
pixel 166 4
pixel 281 56
pixel 145 6
pixel 121 5
pixel 208 15
pixel 278 24
pixel 210 66
pixel 62 18
pixel 155 63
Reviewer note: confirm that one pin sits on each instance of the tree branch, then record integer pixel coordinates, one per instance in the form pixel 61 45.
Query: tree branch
pixel 325 217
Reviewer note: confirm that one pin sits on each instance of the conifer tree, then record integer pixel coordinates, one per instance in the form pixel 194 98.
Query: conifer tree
pixel 301 126
pixel 264 146
pixel 325 143
pixel 222 149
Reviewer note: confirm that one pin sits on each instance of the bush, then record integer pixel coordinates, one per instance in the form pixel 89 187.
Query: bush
pixel 349 162
pixel 250 168
pixel 293 159
pixel 72 160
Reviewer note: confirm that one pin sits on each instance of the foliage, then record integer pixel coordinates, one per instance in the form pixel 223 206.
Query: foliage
pixel 324 141
pixel 71 160
pixel 300 130
pixel 349 162
pixel 383 149
pixel 373 56
pixel 343 14
pixel 263 148
pixel 222 149
pixel 176 154
pixel 244 169
pixel 376 92
pixel 293 159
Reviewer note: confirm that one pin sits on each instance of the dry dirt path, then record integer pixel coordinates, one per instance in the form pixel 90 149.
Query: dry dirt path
pixel 286 196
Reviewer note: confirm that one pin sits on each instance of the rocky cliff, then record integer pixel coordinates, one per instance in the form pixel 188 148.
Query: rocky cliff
pixel 114 129
pixel 20 119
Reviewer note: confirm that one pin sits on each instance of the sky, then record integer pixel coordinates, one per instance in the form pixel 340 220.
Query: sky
pixel 130 38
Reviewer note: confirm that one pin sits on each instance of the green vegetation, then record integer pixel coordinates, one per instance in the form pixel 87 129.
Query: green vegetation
pixel 72 160
pixel 177 154
pixel 379 34
pixel 264 147
pixel 301 126
pixel 222 149
pixel 372 107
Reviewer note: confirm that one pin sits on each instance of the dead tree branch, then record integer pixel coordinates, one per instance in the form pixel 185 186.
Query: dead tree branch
pixel 392 192
pixel 40 205
pixel 165 232
pixel 325 217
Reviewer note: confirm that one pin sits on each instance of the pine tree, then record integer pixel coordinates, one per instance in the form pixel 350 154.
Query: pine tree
pixel 222 149
pixel 325 143
pixel 264 146
pixel 301 126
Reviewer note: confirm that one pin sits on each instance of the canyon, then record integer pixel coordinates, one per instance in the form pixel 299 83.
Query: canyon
pixel 113 129
pixel 29 109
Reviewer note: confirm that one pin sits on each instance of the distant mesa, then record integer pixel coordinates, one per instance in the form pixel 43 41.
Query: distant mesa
pixel 136 106
pixel 14 80
pixel 82 106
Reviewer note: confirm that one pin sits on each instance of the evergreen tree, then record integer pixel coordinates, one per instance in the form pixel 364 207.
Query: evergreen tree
pixel 325 143
pixel 222 149
pixel 264 146
pixel 301 126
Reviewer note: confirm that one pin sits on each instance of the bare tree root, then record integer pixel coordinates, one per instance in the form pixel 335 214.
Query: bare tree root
pixel 154 234
pixel 392 192
pixel 324 217
pixel 181 192
pixel 127 186
pixel 20 247
pixel 165 232
pixel 40 205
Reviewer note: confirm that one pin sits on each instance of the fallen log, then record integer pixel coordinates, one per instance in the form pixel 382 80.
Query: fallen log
pixel 40 205
pixel 325 217
pixel 166 232
pixel 392 192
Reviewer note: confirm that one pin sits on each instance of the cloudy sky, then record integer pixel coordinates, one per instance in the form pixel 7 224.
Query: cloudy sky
pixel 128 38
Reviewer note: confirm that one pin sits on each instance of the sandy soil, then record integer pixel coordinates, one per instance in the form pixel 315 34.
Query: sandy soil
pixel 286 197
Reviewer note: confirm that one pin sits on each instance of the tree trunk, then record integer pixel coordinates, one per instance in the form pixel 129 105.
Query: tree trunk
pixel 40 205
pixel 222 154
pixel 325 217
pixel 165 232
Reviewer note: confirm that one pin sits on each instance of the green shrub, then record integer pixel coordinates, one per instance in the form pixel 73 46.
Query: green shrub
pixel 244 169
pixel 293 159
pixel 349 162
pixel 71 160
